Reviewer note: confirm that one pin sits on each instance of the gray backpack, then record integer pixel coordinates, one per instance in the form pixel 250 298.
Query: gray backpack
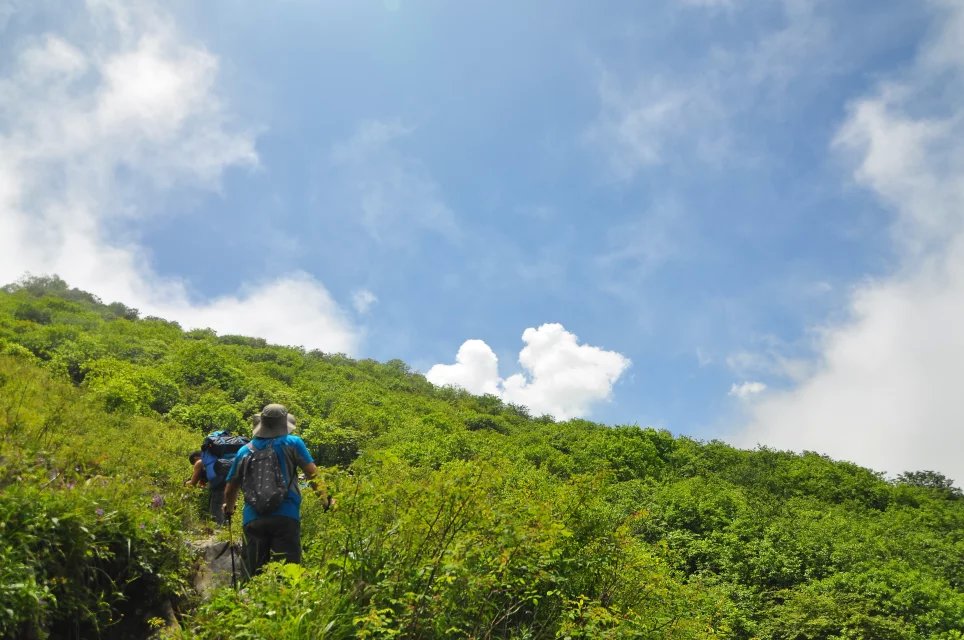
pixel 262 480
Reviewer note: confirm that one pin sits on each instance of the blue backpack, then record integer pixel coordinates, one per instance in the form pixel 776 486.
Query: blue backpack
pixel 217 453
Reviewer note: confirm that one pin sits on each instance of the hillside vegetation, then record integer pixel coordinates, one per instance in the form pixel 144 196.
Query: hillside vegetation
pixel 458 516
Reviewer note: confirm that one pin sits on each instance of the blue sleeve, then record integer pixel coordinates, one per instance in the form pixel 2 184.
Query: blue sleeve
pixel 303 454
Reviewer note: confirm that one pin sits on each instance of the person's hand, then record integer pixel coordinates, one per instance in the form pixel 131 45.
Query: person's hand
pixel 326 500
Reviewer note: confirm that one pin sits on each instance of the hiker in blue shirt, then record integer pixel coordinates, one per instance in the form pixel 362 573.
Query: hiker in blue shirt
pixel 217 455
pixel 266 470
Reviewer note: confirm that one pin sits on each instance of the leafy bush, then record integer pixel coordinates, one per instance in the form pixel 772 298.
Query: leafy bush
pixel 211 412
pixel 78 558
pixel 131 388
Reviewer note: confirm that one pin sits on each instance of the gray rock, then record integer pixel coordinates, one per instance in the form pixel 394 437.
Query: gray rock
pixel 215 569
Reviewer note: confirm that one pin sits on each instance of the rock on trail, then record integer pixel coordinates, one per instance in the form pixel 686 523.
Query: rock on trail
pixel 214 571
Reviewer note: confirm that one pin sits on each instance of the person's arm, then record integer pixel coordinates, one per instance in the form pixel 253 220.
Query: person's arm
pixel 317 484
pixel 230 497
pixel 232 484
pixel 199 476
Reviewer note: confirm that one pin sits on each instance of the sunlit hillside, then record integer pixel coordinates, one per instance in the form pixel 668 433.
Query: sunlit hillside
pixel 458 516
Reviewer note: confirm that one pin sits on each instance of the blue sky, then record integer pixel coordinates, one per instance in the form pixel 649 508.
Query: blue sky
pixel 730 195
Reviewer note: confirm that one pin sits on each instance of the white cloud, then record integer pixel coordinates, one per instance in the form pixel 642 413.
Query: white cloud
pixel 362 300
pixel 295 309
pixel 561 377
pixel 770 360
pixel 886 391
pixel 746 389
pixel 393 191
pixel 476 370
pixel 95 129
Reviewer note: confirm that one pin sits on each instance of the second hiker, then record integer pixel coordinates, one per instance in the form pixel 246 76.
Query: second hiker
pixel 217 453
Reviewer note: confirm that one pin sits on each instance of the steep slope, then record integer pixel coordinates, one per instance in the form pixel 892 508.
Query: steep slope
pixel 459 516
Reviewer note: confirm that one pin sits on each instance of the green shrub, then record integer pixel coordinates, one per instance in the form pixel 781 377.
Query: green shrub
pixel 78 557
pixel 286 601
pixel 91 510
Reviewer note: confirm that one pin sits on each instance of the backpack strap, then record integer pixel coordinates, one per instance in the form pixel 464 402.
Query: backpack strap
pixel 243 467
pixel 290 465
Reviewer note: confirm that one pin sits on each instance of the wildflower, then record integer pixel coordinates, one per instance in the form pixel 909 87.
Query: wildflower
pixel 99 512
pixel 157 501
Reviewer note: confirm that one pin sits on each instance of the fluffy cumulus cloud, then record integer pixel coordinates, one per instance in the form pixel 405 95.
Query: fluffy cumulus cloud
pixel 96 127
pixel 886 390
pixel 561 377
pixel 476 370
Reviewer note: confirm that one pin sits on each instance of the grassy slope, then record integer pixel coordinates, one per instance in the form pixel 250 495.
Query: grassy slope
pixel 92 510
pixel 461 517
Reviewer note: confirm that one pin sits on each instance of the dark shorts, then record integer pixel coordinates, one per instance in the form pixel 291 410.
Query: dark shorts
pixel 272 538
pixel 214 505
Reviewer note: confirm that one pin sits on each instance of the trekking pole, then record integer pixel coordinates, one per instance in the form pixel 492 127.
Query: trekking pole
pixel 234 572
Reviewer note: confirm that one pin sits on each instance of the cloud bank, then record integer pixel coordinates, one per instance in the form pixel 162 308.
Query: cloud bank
pixel 561 377
pixel 886 389
pixel 95 130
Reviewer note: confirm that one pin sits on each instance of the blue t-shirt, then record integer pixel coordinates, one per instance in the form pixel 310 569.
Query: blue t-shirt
pixel 297 453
